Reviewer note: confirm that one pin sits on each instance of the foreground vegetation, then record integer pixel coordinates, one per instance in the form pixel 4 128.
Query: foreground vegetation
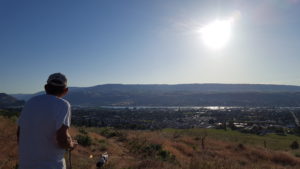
pixel 167 149
pixel 269 141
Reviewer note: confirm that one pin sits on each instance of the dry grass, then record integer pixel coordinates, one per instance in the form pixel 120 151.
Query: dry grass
pixel 8 143
pixel 186 149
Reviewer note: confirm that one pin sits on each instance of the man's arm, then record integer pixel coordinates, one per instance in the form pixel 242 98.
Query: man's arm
pixel 64 139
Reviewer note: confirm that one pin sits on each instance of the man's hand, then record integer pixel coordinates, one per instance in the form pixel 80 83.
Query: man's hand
pixel 64 139
pixel 73 144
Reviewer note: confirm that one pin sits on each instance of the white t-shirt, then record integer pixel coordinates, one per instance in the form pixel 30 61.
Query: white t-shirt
pixel 40 118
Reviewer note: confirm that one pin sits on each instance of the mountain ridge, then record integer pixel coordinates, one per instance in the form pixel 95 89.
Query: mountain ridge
pixel 247 87
pixel 207 94
pixel 9 101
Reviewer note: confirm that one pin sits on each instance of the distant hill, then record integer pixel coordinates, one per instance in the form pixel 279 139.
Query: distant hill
pixel 25 96
pixel 9 101
pixel 183 95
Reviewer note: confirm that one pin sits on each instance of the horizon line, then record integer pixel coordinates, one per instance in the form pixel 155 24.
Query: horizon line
pixel 167 84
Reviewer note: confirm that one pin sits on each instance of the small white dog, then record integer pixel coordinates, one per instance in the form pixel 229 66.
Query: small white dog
pixel 103 159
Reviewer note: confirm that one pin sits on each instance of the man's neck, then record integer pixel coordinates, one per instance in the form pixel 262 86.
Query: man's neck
pixel 59 96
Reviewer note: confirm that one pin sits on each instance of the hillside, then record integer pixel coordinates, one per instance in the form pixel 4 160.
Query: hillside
pixel 167 149
pixel 183 95
pixel 9 101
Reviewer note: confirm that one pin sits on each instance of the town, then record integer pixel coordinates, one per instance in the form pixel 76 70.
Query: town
pixel 255 120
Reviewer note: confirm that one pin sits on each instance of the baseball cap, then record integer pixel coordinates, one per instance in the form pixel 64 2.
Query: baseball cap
pixel 57 79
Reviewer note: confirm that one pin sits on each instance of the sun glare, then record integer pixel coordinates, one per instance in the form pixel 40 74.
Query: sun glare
pixel 216 34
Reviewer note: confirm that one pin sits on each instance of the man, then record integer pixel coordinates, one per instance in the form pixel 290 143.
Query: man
pixel 44 122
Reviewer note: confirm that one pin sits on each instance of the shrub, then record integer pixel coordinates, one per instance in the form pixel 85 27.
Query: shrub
pixel 109 132
pixel 103 145
pixel 176 135
pixel 150 150
pixel 102 141
pixel 241 146
pixel 83 131
pixel 297 154
pixel 166 156
pixel 9 113
pixel 84 140
pixel 294 145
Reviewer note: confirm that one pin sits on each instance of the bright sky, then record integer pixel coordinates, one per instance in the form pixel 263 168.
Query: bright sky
pixel 146 42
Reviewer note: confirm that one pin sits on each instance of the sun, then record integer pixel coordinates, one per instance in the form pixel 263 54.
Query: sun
pixel 216 34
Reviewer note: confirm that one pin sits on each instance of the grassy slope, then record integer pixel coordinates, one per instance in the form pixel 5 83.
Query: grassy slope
pixel 273 141
pixel 8 143
pixel 168 149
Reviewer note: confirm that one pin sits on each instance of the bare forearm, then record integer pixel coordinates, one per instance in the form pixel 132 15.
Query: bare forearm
pixel 65 142
pixel 69 141
pixel 64 139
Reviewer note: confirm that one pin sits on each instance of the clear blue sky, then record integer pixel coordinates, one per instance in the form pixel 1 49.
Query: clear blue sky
pixel 146 42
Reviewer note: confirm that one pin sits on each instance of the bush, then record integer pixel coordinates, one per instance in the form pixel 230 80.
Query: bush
pixel 241 146
pixel 83 131
pixel 150 150
pixel 84 140
pixel 294 145
pixel 102 145
pixel 109 132
pixel 9 113
pixel 297 154
pixel 166 155
pixel 176 135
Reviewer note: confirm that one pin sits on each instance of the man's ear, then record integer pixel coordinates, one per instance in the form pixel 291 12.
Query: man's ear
pixel 66 90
